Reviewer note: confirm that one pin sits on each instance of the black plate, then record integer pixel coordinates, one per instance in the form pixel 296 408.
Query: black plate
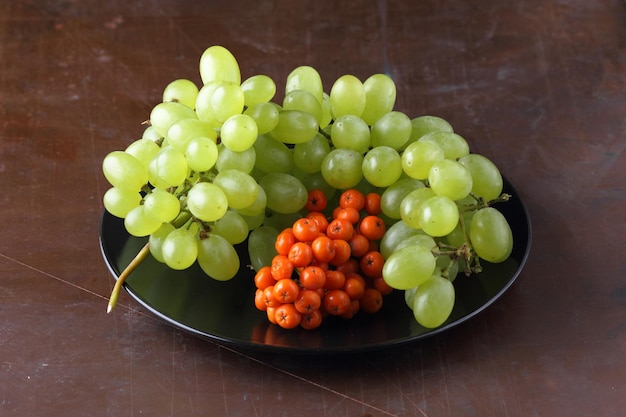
pixel 225 311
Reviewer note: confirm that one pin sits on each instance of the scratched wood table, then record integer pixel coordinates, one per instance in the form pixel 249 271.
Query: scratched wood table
pixel 537 86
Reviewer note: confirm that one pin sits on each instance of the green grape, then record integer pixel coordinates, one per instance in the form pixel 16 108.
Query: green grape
pixel 391 198
pixel 491 235
pixel 179 249
pixel 419 157
pixel 454 146
pixel 161 205
pixel 119 202
pixel 486 178
pixel 124 171
pixel 231 227
pixel 380 97
pixel 182 91
pixel 418 239
pixel 258 89
pixel 144 150
pixel 204 111
pixel 438 216
pixel 183 131
pixel 139 224
pixel 243 161
pixel 227 100
pixel 207 201
pixel 423 125
pixel 240 188
pixel 350 132
pixel 327 115
pixel 265 116
pixel 295 126
pixel 254 221
pixel 164 115
pixel 347 96
pixel 272 155
pixel 218 64
pixel 450 178
pixel 261 246
pixel 382 166
pixel 239 132
pixel 411 203
pixel 150 133
pixel 305 78
pixel 155 242
pixel 304 101
pixel 218 258
pixel 341 168
pixel 433 302
pixel 392 129
pixel 201 154
pixel 258 206
pixel 280 221
pixel 408 296
pixel 397 233
pixel 316 181
pixel 457 236
pixel 408 267
pixel 308 156
pixel 285 193
pixel 168 166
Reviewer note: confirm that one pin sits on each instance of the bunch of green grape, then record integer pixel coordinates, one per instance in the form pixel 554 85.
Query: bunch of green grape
pixel 224 162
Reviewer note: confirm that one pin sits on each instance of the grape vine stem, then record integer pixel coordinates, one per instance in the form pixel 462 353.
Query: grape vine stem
pixel 125 274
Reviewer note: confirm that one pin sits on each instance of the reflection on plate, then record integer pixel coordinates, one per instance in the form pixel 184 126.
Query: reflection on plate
pixel 225 311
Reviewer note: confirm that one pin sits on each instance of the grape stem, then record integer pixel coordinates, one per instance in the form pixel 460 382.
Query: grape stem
pixel 125 274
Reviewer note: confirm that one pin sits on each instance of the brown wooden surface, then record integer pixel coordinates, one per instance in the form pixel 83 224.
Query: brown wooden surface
pixel 538 86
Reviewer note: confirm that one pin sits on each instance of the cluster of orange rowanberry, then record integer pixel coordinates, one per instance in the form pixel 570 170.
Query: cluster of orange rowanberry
pixel 325 266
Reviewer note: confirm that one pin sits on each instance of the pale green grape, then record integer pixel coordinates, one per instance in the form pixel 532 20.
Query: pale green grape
pixel 391 198
pixel 380 97
pixel 305 78
pixel 240 188
pixel 164 115
pixel 491 235
pixel 397 233
pixel 272 155
pixel 161 205
pixel 150 133
pixel 327 115
pixel 454 146
pixel 258 206
pixel 382 166
pixel 450 178
pixel 227 100
pixel 408 267
pixel 411 203
pixel 179 249
pixel 219 64
pixel 243 161
pixel 304 101
pixel 261 246
pixel 408 297
pixel 295 126
pixel 231 227
pixel 350 132
pixel 119 202
pixel 144 150
pixel 308 156
pixel 433 301
pixel 183 131
pixel 169 166
pixel 207 201
pixel 254 221
pixel 438 216
pixel 204 111
pixel 419 157
pixel 423 125
pixel 341 168
pixel 486 178
pixel 139 224
pixel 239 132
pixel 155 242
pixel 285 193
pixel 258 89
pixel 182 91
pixel 418 239
pixel 392 129
pixel 265 116
pixel 218 258
pixel 347 96
pixel 201 154
pixel 124 171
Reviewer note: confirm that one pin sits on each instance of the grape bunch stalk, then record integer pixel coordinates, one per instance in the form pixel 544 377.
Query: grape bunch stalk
pixel 223 163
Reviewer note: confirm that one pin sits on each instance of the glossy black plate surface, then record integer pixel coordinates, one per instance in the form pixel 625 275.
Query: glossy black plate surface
pixel 225 311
